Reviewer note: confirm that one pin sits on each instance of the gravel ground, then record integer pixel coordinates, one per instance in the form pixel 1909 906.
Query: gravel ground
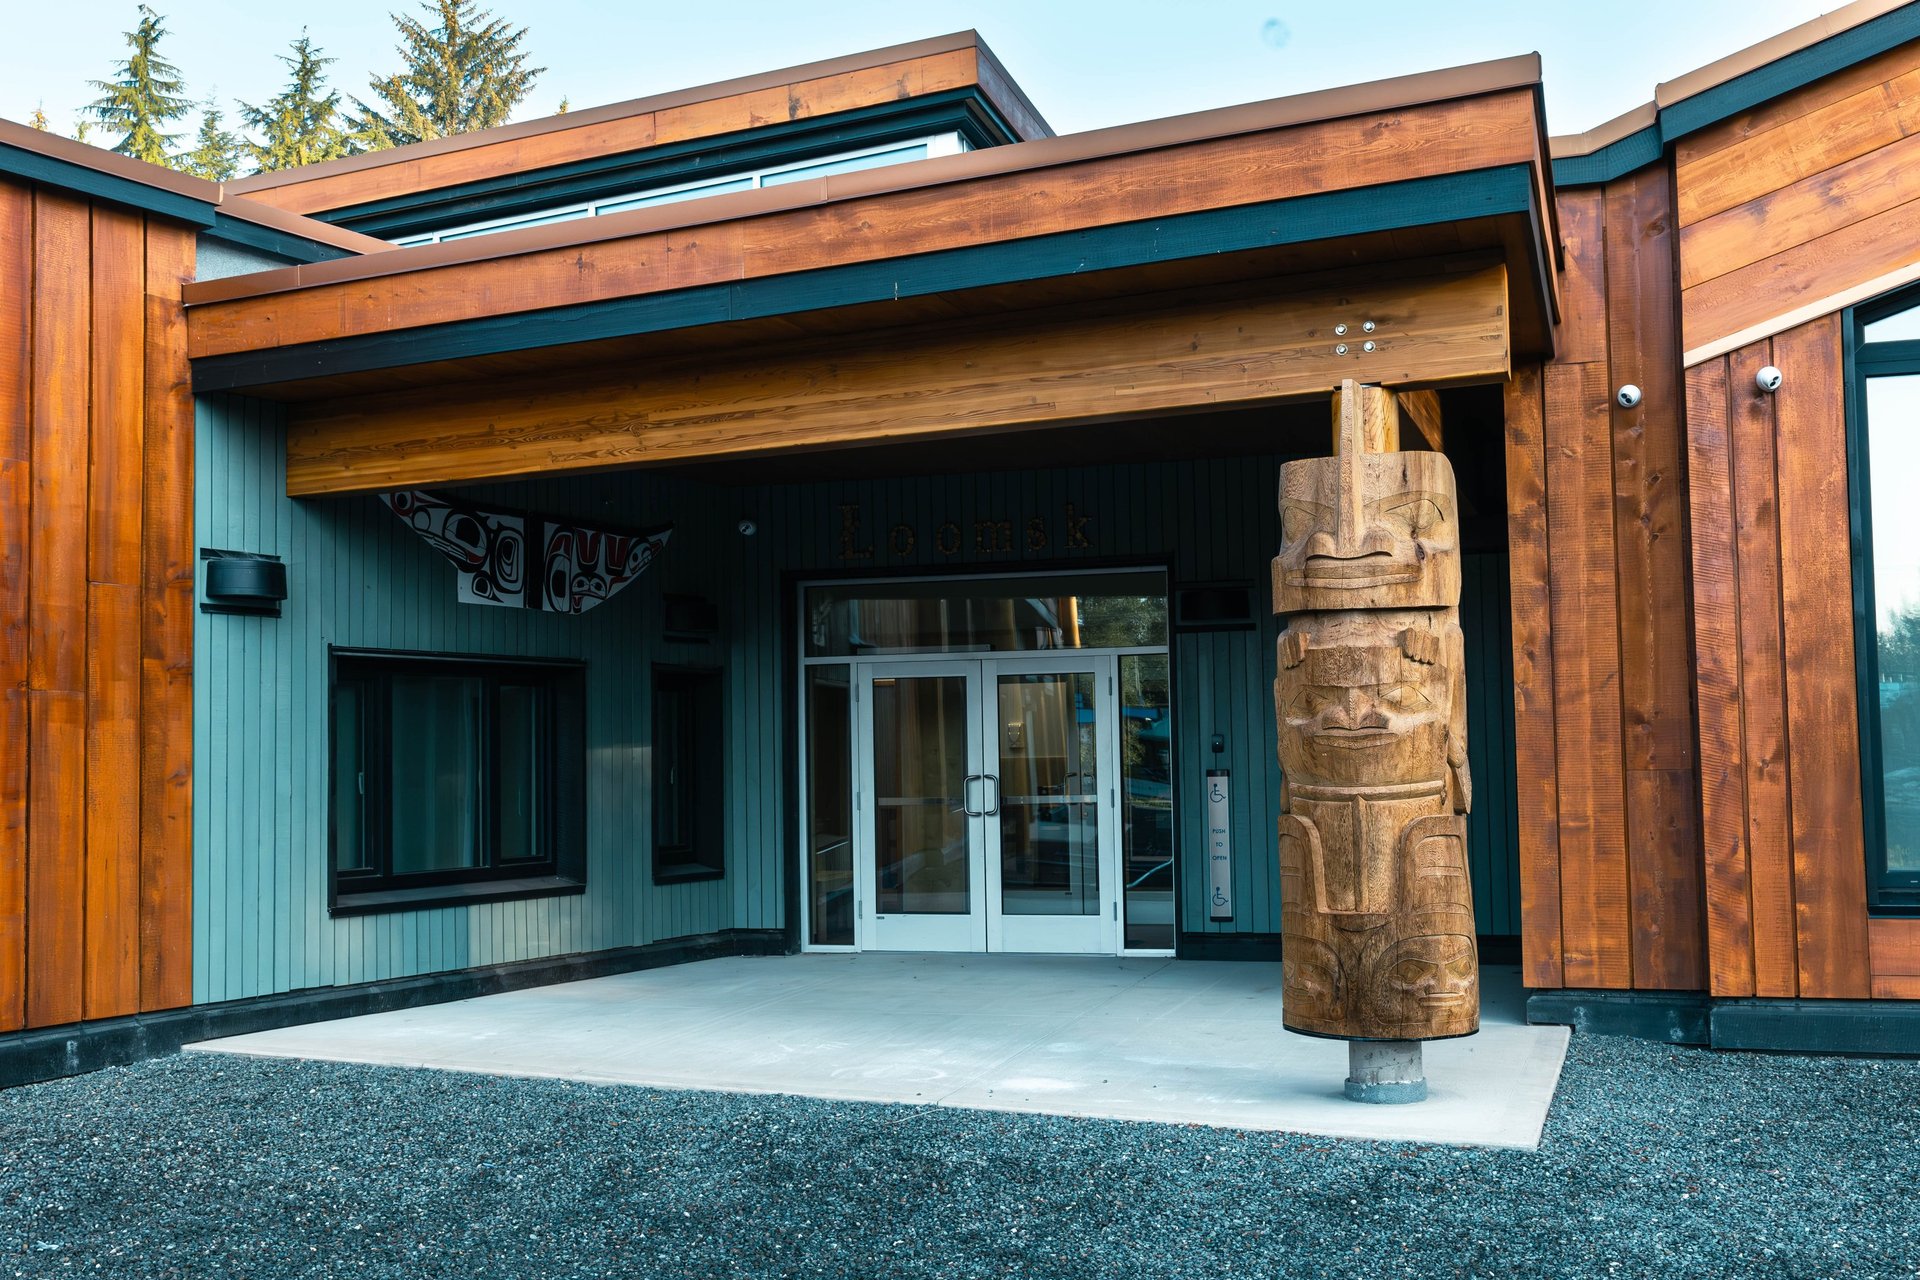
pixel 1657 1162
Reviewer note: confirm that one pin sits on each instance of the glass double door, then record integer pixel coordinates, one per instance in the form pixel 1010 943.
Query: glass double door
pixel 987 805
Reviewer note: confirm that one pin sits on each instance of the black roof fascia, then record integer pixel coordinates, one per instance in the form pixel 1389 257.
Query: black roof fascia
pixel 99 185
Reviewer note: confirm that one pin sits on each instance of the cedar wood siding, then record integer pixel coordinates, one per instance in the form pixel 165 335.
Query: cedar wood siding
pixel 96 622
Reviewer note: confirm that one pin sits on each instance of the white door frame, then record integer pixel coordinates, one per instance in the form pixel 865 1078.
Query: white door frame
pixel 877 930
pixel 1096 934
pixel 985 927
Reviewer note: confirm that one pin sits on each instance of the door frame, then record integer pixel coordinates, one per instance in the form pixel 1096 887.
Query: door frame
pixel 797 583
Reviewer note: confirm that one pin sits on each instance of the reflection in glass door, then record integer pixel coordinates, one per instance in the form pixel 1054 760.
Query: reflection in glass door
pixel 1050 796
pixel 990 819
pixel 921 823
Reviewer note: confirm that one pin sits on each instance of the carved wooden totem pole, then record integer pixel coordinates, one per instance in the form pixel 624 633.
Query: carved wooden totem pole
pixel 1376 912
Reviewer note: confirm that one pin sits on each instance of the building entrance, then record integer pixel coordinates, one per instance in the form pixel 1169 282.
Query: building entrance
pixel 989 805
pixel 989 765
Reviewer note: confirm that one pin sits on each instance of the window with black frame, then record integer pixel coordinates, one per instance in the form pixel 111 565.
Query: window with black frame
pixel 455 780
pixel 1884 474
pixel 689 778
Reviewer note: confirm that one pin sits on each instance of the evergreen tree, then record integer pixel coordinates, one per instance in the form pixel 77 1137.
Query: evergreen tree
pixel 466 73
pixel 216 151
pixel 83 130
pixel 144 95
pixel 38 119
pixel 302 124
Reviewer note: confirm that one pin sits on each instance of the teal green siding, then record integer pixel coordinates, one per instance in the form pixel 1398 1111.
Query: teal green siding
pixel 357 578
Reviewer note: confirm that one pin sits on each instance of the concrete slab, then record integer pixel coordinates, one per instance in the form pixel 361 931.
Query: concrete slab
pixel 1159 1040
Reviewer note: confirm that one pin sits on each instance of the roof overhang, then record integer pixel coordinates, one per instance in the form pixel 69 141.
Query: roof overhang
pixel 1398 170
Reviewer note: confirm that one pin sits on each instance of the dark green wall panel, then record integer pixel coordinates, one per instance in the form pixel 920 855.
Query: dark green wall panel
pixel 358 578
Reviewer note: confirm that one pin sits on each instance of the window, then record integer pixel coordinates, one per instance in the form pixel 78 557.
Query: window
pixel 1884 471
pixel 455 780
pixel 689 777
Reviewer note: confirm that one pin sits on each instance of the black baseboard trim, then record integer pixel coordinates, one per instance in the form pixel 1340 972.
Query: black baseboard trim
pixel 1227 946
pixel 1675 1017
pixel 53 1052
pixel 1857 1028
pixel 1846 1028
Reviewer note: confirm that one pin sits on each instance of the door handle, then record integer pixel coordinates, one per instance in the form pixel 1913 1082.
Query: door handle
pixel 966 794
pixel 985 778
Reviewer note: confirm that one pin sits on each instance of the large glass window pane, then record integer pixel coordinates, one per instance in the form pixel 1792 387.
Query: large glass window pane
pixel 1146 790
pixel 349 778
pixel 1049 794
pixel 849 164
pixel 1893 443
pixel 921 864
pixel 988 615
pixel 1901 326
pixel 522 791
pixel 435 772
pixel 829 806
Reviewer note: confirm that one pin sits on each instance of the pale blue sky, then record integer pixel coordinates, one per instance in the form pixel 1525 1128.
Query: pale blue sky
pixel 1084 64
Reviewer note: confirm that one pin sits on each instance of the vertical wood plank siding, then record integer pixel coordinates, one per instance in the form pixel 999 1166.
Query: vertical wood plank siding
pixel 358 578
pixel 1787 213
pixel 83 913
pixel 1786 870
pixel 1603 673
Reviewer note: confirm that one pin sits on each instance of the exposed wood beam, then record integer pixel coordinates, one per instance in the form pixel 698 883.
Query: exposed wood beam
pixel 1422 408
pixel 1379 426
pixel 1050 369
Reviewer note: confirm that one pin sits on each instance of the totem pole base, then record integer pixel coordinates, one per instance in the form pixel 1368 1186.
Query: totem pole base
pixel 1385 1071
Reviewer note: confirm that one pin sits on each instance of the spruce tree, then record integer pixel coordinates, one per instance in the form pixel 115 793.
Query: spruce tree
pixel 216 151
pixel 144 95
pixel 38 119
pixel 468 72
pixel 303 123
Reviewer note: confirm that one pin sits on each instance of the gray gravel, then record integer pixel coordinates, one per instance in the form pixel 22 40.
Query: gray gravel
pixel 1657 1162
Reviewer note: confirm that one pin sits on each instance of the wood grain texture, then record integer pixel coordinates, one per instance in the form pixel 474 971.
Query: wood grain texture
pixel 16 321
pixel 1816 588
pixel 57 607
pixel 112 812
pixel 56 838
pixel 945 380
pixel 1762 657
pixel 1826 136
pixel 1816 269
pixel 16 406
pixel 1326 156
pixel 1530 555
pixel 1716 646
pixel 1775 112
pixel 1818 204
pixel 113 502
pixel 801 99
pixel 166 634
pixel 1594 885
pixel 1893 948
pixel 1582 336
pixel 1422 409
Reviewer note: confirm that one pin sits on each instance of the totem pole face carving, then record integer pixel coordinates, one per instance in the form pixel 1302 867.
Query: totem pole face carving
pixel 1376 908
pixel 1367 531
pixel 1365 699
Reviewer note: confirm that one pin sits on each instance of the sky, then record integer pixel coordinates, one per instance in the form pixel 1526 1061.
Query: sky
pixel 1086 64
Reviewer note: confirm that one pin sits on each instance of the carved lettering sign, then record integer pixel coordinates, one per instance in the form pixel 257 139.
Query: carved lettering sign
pixel 1000 535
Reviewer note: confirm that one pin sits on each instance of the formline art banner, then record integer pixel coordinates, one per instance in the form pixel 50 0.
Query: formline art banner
pixel 525 560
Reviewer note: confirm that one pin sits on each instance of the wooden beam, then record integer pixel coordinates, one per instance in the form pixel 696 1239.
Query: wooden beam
pixel 1051 368
pixel 742 240
pixel 1422 408
pixel 1378 429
